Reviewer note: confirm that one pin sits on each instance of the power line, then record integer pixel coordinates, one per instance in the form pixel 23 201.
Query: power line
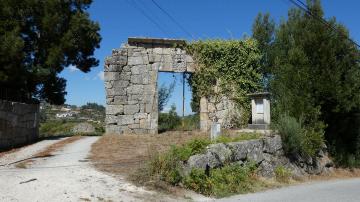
pixel 142 11
pixel 307 10
pixel 172 19
pixel 156 17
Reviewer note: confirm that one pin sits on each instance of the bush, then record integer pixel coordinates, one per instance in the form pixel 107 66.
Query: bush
pixel 169 121
pixel 167 166
pixel 190 122
pixel 223 181
pixel 297 139
pixel 282 174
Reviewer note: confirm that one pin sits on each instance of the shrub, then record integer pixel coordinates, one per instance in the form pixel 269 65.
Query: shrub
pixel 223 181
pixel 169 121
pixel 167 166
pixel 282 174
pixel 190 122
pixel 297 139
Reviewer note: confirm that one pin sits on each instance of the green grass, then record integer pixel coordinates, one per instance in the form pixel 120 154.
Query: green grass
pixel 226 138
pixel 282 174
pixel 58 128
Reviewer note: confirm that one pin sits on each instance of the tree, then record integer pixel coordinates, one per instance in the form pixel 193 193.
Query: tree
pixel 314 74
pixel 38 39
pixel 164 95
pixel 169 121
pixel 263 31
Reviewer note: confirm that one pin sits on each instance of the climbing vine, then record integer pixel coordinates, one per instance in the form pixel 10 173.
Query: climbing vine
pixel 230 65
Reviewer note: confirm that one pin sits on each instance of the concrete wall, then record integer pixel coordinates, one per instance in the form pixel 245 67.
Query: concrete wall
pixel 19 124
pixel 131 74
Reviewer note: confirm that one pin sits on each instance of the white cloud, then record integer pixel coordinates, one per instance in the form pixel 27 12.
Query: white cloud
pixel 101 75
pixel 72 68
pixel 87 78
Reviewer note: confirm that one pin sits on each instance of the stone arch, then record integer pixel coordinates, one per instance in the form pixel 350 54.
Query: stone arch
pixel 130 75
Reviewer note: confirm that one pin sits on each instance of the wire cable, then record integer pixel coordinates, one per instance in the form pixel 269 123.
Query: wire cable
pixel 142 11
pixel 172 19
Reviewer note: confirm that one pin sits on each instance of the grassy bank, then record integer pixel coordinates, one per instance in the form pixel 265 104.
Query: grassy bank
pixel 62 128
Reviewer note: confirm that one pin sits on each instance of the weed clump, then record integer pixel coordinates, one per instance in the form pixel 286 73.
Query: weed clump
pixel 282 174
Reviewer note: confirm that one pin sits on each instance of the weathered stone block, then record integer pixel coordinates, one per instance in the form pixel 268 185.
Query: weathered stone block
pixel 125 119
pixel 114 109
pixel 110 76
pixel 138 60
pixel 135 89
pixel 136 79
pixel 272 144
pixel 138 69
pixel 120 99
pixel 141 115
pixel 111 119
pixel 131 109
pixel 203 105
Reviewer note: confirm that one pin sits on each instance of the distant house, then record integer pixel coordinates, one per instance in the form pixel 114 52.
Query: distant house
pixel 65 109
pixel 64 115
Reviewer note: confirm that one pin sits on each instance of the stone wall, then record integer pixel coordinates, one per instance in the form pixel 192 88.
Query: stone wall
pixel 19 124
pixel 216 110
pixel 131 74
pixel 266 152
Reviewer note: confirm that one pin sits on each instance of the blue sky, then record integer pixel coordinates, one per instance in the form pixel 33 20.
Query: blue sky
pixel 204 19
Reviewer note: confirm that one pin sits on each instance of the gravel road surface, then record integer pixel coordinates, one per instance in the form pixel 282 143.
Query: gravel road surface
pixel 67 176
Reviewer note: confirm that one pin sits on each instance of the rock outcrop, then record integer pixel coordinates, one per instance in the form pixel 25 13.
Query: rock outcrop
pixel 266 152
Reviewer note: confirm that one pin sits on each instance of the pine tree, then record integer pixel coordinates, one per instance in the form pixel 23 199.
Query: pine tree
pixel 38 39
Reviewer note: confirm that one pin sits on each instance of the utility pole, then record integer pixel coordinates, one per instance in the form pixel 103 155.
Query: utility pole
pixel 183 100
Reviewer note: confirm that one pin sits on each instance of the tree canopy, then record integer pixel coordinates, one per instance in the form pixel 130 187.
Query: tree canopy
pixel 38 39
pixel 313 71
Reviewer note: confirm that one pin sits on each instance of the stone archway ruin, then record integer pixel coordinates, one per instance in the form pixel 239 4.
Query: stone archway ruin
pixel 130 75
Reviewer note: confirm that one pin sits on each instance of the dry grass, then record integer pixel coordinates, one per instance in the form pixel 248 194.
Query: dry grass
pixel 48 151
pixel 124 154
pixel 337 173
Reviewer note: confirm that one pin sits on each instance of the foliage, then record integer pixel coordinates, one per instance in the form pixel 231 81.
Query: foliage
pixel 263 31
pixel 94 106
pixel 313 75
pixel 190 123
pixel 38 39
pixel 164 95
pixel 224 181
pixel 299 140
pixel 232 66
pixel 59 128
pixel 168 167
pixel 282 174
pixel 169 121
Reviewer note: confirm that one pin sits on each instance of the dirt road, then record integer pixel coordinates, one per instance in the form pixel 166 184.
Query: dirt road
pixel 66 176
